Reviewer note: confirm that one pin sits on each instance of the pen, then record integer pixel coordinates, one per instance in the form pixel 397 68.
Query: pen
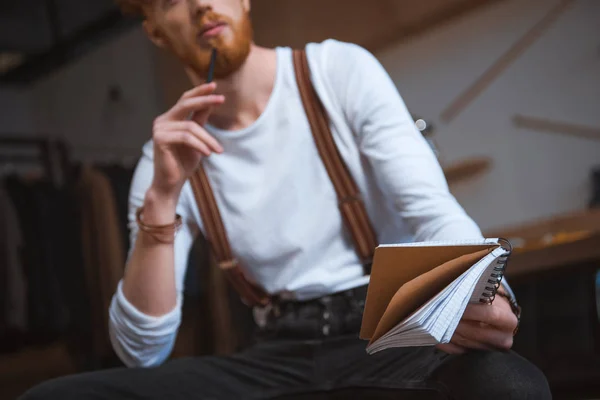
pixel 210 76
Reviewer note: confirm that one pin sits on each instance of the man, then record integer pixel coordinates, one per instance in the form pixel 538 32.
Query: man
pixel 250 132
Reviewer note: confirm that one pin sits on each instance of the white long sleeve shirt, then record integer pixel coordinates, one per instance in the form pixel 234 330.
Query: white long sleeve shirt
pixel 278 203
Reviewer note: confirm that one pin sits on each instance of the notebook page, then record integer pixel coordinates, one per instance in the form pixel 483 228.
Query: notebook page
pixel 457 301
pixel 490 259
pixel 483 280
pixel 429 307
pixel 420 316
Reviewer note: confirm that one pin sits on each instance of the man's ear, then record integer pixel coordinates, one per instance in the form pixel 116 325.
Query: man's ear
pixel 246 5
pixel 154 33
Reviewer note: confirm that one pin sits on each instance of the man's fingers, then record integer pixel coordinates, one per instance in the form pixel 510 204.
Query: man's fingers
pixel 486 337
pixel 188 139
pixel 197 131
pixel 201 117
pixel 188 106
pixel 469 343
pixel 497 314
pixel 201 90
pixel 451 348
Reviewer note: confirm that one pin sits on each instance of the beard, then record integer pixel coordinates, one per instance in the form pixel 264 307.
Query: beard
pixel 232 51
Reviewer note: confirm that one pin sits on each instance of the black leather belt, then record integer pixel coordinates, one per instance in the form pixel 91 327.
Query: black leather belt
pixel 332 315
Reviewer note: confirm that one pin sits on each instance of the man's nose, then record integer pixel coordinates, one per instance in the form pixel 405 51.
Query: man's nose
pixel 199 7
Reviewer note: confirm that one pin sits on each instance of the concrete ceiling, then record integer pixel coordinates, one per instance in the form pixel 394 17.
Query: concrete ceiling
pixel 51 32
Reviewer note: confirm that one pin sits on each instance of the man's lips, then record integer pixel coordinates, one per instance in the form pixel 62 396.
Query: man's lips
pixel 212 29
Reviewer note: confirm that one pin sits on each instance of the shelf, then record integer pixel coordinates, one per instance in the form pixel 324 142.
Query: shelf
pixel 466 169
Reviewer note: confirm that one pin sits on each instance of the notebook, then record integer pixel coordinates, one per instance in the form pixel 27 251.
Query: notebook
pixel 419 291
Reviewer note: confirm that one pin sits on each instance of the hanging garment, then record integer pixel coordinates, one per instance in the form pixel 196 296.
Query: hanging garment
pixel 103 253
pixel 4 286
pixel 49 299
pixel 14 286
pixel 46 310
pixel 120 180
pixel 61 224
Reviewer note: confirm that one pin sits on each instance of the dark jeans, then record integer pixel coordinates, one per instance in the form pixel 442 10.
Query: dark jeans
pixel 311 351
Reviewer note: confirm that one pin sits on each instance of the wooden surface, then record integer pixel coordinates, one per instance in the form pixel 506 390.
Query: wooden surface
pixel 466 169
pixel 553 243
pixel 569 222
pixel 557 127
pixel 554 257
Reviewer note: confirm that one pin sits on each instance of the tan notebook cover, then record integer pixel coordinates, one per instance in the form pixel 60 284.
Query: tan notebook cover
pixel 404 278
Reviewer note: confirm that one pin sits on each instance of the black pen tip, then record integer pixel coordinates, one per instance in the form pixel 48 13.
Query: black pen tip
pixel 211 68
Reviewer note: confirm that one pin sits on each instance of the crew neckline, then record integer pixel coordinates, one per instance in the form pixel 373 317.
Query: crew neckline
pixel 270 103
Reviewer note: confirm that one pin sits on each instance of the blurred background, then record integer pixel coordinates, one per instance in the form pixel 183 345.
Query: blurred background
pixel 506 91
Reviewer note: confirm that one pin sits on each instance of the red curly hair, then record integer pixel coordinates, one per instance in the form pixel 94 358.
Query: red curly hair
pixel 132 7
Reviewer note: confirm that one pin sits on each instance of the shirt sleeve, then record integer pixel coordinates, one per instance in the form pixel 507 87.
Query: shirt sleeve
pixel 404 165
pixel 138 339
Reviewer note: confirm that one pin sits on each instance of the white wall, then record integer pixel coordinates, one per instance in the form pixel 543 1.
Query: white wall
pixel 535 174
pixel 73 102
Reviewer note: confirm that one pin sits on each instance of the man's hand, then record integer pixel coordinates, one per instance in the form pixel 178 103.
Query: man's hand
pixel 484 327
pixel 180 143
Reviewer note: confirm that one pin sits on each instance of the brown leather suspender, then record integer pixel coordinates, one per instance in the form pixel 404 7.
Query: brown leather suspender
pixel 219 243
pixel 351 206
pixel 349 198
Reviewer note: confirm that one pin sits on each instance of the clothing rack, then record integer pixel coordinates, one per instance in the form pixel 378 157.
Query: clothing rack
pixel 18 159
pixel 99 154
pixel 51 154
pixel 75 246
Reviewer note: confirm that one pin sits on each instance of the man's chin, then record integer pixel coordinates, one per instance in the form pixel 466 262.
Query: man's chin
pixel 232 52
pixel 229 61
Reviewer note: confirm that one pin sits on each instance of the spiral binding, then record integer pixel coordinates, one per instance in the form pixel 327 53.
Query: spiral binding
pixel 489 295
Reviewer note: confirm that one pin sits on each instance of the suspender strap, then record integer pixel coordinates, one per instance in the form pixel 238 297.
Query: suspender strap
pixel 219 243
pixel 351 206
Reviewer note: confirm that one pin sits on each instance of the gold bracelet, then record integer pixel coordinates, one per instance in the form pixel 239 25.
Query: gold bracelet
pixel 162 233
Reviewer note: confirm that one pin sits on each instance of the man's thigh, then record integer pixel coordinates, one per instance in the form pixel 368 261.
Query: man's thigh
pixel 253 374
pixel 347 365
pixel 475 375
pixel 492 375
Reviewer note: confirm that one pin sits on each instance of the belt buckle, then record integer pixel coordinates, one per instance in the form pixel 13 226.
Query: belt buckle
pixel 261 313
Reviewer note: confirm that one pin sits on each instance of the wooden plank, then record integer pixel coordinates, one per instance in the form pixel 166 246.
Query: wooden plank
pixel 558 127
pixel 583 220
pixel 505 61
pixel 465 169
pixel 553 258
pixel 583 245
